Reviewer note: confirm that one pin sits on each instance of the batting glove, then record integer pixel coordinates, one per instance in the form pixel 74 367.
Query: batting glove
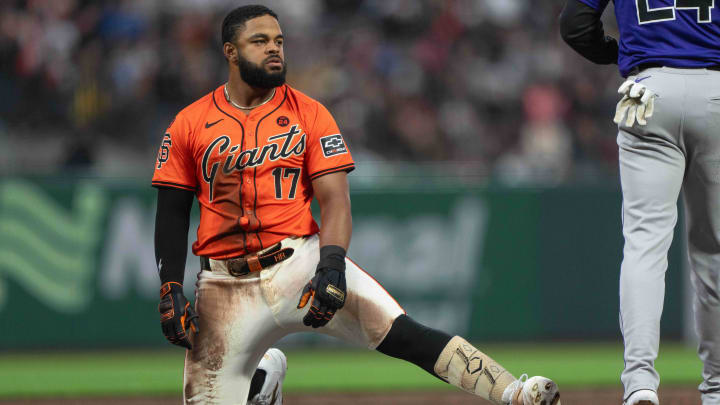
pixel 176 314
pixel 638 102
pixel 327 289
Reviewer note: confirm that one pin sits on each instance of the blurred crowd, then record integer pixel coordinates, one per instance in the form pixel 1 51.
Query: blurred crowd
pixel 483 86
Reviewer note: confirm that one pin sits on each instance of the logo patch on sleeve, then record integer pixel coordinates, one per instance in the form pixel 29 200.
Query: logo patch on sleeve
pixel 164 152
pixel 333 145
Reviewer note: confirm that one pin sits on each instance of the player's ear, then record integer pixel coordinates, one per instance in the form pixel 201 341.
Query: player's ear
pixel 230 52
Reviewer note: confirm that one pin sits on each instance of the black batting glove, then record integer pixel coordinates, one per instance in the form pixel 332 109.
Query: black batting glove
pixel 327 289
pixel 176 314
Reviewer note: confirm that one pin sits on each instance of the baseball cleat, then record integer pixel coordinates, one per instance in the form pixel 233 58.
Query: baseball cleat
pixel 643 397
pixel 531 391
pixel 274 363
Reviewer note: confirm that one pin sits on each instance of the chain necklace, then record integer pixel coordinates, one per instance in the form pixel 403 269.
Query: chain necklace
pixel 242 107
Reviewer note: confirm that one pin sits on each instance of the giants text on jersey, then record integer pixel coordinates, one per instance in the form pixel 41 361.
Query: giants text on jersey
pixel 251 173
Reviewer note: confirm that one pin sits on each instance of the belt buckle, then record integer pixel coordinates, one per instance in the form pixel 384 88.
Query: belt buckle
pixel 244 265
pixel 237 267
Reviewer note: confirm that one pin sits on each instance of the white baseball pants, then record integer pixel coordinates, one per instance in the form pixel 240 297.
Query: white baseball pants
pixel 241 317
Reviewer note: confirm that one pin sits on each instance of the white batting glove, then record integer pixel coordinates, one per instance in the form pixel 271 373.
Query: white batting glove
pixel 638 102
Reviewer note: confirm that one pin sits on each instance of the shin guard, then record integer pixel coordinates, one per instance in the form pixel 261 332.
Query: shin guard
pixel 466 367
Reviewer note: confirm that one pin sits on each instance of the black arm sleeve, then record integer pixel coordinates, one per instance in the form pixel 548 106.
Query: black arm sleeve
pixel 582 29
pixel 172 221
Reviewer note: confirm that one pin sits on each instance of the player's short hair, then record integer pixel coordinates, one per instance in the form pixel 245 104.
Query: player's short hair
pixel 237 18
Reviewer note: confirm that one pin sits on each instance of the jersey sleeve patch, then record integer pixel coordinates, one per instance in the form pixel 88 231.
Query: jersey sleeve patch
pixel 333 145
pixel 174 166
pixel 164 152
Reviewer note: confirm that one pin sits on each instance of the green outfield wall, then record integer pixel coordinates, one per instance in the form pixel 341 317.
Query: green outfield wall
pixel 77 263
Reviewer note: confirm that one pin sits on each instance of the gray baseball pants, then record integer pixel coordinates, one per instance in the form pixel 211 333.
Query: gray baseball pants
pixel 679 148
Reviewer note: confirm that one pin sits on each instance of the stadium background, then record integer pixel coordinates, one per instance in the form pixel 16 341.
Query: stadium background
pixel 485 199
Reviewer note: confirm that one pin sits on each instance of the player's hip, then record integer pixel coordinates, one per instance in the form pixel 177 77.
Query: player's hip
pixel 686 105
pixel 256 265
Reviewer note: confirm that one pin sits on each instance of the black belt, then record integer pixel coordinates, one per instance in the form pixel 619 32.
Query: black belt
pixel 639 68
pixel 243 265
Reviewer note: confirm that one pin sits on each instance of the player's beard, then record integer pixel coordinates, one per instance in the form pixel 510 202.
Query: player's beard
pixel 256 76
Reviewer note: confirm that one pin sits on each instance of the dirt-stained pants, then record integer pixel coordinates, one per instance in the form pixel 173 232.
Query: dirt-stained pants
pixel 241 317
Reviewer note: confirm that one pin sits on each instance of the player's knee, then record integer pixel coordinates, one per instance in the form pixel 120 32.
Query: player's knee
pixel 409 340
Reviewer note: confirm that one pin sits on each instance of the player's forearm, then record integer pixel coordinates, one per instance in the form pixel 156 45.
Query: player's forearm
pixel 333 196
pixel 582 29
pixel 336 222
pixel 172 222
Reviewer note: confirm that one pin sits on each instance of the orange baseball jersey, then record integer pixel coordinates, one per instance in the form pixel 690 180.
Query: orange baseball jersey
pixel 251 173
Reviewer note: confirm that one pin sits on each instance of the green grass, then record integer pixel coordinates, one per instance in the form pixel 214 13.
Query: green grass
pixel 160 372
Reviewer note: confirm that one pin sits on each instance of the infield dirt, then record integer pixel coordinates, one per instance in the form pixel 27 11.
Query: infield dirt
pixel 669 396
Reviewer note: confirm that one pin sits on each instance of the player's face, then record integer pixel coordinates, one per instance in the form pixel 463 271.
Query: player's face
pixel 261 59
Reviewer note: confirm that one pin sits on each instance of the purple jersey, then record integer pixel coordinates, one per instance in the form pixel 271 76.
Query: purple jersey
pixel 676 33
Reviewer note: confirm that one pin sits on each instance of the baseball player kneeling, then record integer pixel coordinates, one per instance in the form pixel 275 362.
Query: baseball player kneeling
pixel 255 152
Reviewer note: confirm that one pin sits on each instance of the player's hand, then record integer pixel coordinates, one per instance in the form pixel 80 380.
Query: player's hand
pixel 638 102
pixel 176 314
pixel 327 289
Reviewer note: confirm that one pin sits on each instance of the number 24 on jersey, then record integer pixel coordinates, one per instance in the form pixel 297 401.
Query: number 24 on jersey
pixel 648 15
